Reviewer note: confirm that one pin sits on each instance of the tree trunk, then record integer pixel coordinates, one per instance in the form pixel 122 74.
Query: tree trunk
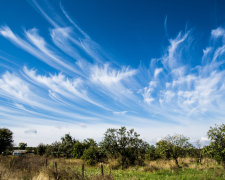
pixel 200 159
pixel 123 161
pixel 176 161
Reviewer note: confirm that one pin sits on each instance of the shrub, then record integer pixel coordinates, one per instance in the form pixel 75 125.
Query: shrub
pixel 91 155
pixel 78 149
pixel 22 145
pixel 151 153
pixel 53 149
pixel 41 149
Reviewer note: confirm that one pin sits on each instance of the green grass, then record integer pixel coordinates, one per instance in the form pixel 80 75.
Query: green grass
pixel 71 168
pixel 190 174
pixel 134 173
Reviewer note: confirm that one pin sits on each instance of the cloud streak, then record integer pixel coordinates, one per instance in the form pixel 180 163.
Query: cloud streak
pixel 86 89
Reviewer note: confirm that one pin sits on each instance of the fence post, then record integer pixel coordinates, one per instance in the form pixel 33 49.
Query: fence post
pixel 102 171
pixel 46 162
pixel 82 170
pixel 55 166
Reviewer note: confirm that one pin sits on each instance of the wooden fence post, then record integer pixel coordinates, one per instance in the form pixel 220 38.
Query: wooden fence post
pixel 102 171
pixel 46 162
pixel 55 166
pixel 82 170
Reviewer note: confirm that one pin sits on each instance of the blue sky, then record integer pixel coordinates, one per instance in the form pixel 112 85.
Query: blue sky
pixel 85 66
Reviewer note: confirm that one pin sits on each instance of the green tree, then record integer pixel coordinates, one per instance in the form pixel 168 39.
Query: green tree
pixel 110 144
pixel 78 149
pixel 53 149
pixel 151 153
pixel 6 140
pixel 41 149
pixel 22 145
pixel 89 142
pixel 66 147
pixel 217 143
pixel 198 151
pixel 30 149
pixel 163 148
pixel 208 151
pixel 173 147
pixel 91 155
pixel 124 144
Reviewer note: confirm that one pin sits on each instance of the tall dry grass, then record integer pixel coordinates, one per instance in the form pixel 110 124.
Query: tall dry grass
pixel 34 168
pixel 22 167
pixel 162 164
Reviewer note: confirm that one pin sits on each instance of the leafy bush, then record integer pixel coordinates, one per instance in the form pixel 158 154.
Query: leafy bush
pixel 53 149
pixel 91 155
pixel 78 149
pixel 41 149
pixel 22 145
pixel 151 153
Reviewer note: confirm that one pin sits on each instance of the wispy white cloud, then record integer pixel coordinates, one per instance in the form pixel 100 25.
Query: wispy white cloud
pixel 147 92
pixel 120 112
pixel 86 90
pixel 69 88
pixel 11 85
pixel 157 72
pixel 218 32
pixel 37 47
pixel 170 59
pixel 57 83
pixel 109 76
pixel 7 33
pixel 60 37
pixel 193 91
pixel 31 131
pixel 40 43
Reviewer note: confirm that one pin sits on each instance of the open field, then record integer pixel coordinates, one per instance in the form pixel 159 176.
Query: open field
pixel 34 167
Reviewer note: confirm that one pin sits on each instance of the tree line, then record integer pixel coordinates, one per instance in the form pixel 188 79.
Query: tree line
pixel 125 146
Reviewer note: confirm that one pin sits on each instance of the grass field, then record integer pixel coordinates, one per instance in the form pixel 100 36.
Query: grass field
pixel 34 167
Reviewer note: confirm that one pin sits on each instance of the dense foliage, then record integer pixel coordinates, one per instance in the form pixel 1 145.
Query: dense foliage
pixel 217 144
pixel 6 140
pixel 22 146
pixel 174 147
pixel 126 147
